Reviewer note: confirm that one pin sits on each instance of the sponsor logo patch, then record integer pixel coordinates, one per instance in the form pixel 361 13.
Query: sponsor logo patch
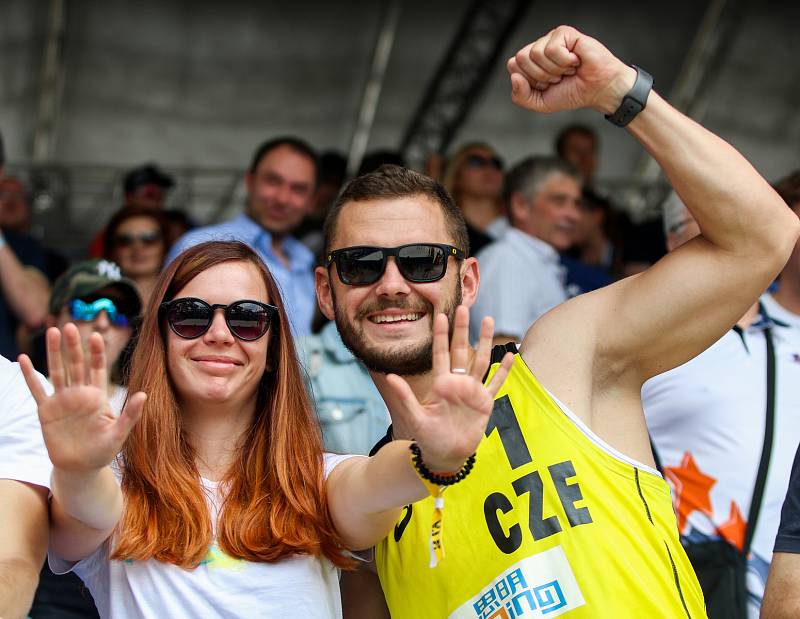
pixel 539 586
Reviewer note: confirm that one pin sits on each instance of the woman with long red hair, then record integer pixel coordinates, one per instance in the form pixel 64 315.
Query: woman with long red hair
pixel 210 494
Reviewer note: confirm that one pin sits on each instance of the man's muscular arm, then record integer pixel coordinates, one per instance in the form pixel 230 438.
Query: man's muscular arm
pixel 654 321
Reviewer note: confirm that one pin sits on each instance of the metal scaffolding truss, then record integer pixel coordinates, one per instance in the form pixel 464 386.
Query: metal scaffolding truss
pixel 461 76
pixel 702 65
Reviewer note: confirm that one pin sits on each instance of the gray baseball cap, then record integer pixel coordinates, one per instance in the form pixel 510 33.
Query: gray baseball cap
pixel 85 278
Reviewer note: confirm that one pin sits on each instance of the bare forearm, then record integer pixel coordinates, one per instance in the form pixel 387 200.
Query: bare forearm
pixel 734 206
pixel 366 497
pixel 18 581
pixel 387 480
pixel 23 544
pixel 83 512
pixel 782 595
pixel 94 499
pixel 26 291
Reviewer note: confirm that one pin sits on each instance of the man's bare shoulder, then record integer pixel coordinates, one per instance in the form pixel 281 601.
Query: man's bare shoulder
pixel 558 348
pixel 565 347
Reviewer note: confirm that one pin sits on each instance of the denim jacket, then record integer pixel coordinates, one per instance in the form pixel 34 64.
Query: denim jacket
pixel 351 412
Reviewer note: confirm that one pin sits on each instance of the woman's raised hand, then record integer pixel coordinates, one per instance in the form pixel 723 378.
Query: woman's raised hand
pixel 81 431
pixel 450 423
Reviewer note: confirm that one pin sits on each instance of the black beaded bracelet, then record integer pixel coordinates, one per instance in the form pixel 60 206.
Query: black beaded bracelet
pixel 439 480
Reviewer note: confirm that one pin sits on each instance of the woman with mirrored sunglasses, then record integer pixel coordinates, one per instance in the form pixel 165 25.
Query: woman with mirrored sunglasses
pixel 211 495
pixel 136 239
pixel 474 177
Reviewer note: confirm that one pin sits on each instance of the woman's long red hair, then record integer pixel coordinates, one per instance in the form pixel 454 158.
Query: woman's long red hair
pixel 275 503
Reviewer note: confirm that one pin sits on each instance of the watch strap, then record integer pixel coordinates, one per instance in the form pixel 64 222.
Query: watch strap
pixel 634 101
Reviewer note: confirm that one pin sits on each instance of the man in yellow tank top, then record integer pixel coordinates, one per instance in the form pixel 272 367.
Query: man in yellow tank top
pixel 563 513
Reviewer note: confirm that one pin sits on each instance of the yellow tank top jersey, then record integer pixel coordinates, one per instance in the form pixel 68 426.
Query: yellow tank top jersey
pixel 548 524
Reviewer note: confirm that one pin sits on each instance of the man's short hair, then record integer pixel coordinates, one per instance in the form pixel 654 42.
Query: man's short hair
pixel 788 188
pixel 561 138
pixel 296 144
pixel 391 181
pixel 527 175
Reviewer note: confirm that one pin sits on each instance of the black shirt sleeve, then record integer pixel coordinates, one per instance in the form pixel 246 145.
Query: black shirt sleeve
pixel 788 539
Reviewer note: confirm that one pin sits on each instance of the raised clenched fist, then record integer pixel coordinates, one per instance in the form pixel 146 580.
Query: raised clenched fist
pixel 566 69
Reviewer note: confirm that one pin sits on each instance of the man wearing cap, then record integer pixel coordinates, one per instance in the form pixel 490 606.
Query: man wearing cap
pixel 145 186
pixel 95 297
pixel 281 184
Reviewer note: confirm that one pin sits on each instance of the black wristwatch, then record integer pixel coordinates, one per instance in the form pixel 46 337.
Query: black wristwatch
pixel 633 102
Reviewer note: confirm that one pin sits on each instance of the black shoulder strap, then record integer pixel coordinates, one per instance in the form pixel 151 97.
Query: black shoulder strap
pixel 656 457
pixel 769 428
pixel 499 351
pixel 385 440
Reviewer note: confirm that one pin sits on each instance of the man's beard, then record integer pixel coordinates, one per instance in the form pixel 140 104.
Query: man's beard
pixel 399 358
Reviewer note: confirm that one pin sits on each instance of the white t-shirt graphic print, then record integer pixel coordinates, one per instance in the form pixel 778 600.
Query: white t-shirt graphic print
pixel 220 586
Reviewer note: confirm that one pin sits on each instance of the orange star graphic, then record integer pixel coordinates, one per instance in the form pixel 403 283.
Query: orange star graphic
pixel 733 528
pixel 692 489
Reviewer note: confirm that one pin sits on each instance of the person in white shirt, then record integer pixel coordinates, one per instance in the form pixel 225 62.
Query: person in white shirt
pixel 24 483
pixel 521 274
pixel 210 494
pixel 707 420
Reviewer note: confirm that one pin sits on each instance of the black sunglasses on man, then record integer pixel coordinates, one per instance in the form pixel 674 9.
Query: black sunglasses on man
pixel 417 262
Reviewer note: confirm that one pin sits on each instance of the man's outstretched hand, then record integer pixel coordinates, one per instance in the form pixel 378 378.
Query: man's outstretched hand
pixel 449 424
pixel 566 70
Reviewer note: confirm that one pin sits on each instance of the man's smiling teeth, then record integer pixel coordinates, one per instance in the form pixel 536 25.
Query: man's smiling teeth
pixel 396 318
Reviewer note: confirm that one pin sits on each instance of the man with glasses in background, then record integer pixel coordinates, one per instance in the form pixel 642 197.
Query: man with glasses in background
pixel 522 275
pixel 281 184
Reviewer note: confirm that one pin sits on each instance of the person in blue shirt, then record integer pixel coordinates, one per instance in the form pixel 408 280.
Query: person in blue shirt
pixel 351 412
pixel 280 182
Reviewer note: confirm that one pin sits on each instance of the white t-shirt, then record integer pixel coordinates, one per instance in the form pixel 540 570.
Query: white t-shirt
pixel 23 455
pixel 221 586
pixel 116 399
pixel 778 312
pixel 521 279
pixel 706 419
